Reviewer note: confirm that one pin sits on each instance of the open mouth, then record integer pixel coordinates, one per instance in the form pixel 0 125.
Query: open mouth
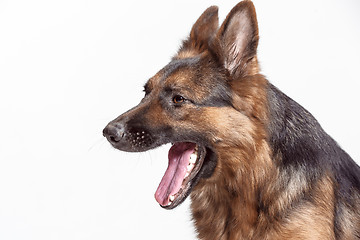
pixel 185 161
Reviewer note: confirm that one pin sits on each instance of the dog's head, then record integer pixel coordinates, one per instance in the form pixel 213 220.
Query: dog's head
pixel 196 102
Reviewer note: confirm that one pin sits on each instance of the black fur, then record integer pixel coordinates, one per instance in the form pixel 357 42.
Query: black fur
pixel 302 143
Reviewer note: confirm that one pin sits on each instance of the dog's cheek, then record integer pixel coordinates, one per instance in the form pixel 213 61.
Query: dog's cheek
pixel 226 124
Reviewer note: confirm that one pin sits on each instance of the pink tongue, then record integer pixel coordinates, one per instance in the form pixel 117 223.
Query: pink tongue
pixel 179 156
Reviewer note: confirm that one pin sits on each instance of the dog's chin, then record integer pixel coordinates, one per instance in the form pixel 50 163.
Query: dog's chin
pixel 186 160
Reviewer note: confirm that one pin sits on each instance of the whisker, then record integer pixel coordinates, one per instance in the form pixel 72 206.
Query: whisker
pixel 99 142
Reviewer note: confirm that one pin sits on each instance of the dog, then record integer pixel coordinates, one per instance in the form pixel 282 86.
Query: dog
pixel 255 164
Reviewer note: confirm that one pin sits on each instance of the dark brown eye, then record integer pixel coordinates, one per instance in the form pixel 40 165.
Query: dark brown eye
pixel 178 99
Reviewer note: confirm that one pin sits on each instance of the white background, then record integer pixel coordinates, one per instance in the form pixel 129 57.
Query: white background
pixel 69 67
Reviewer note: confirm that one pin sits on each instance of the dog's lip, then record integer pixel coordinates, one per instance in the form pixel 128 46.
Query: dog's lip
pixel 187 185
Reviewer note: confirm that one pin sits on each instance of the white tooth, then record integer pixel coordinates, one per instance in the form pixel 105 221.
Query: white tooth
pixel 193 158
pixel 187 174
pixel 172 197
pixel 189 167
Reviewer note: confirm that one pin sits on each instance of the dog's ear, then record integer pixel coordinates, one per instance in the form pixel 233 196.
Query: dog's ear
pixel 237 40
pixel 203 31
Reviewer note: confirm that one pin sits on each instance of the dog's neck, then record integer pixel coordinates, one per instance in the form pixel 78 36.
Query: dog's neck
pixel 235 185
pixel 240 196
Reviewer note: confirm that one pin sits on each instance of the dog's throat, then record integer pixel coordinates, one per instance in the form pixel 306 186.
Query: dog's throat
pixel 182 158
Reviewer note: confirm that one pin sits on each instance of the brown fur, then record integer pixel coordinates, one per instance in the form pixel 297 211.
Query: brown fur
pixel 226 205
pixel 250 193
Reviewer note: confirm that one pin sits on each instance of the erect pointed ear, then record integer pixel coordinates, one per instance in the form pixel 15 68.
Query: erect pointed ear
pixel 238 38
pixel 202 31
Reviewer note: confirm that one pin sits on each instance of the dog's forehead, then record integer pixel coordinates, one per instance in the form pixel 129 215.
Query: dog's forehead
pixel 177 65
pixel 176 72
pixel 194 78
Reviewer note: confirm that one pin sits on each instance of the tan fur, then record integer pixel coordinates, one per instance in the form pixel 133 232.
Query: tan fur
pixel 234 212
pixel 226 205
pixel 350 219
pixel 186 54
pixel 309 220
pixel 250 194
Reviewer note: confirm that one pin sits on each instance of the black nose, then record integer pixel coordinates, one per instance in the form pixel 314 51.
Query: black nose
pixel 114 132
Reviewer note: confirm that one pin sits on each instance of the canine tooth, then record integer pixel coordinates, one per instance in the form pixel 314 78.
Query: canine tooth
pixel 172 197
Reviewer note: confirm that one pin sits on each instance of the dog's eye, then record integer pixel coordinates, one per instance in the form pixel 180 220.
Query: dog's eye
pixel 178 99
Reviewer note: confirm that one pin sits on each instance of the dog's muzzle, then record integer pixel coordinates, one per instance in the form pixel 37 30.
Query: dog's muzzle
pixel 130 139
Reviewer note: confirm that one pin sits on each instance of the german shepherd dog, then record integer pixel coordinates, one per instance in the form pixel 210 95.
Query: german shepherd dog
pixel 255 163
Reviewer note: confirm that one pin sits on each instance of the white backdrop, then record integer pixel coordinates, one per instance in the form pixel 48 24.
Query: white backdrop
pixel 69 67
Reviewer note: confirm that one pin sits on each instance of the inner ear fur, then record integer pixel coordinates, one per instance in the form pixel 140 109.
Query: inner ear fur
pixel 237 40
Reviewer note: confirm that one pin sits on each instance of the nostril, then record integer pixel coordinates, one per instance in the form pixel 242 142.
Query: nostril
pixel 113 133
pixel 113 139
